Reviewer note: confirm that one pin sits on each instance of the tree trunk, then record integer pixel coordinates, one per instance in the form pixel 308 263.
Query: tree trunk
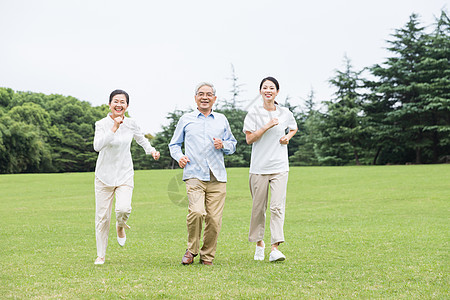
pixel 435 147
pixel 356 158
pixel 376 156
pixel 418 155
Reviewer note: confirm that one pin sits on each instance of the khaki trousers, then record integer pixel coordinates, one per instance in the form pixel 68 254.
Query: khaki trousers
pixel 259 188
pixel 104 196
pixel 206 202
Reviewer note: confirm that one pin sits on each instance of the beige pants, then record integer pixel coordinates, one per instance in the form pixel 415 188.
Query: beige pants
pixel 259 188
pixel 104 196
pixel 206 202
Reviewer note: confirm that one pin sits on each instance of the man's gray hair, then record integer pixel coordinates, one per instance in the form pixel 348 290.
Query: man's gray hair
pixel 203 84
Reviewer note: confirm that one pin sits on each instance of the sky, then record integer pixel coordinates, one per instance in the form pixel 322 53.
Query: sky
pixel 158 51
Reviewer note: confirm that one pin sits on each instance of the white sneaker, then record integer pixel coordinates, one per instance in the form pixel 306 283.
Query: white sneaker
pixel 259 253
pixel 122 241
pixel 99 261
pixel 276 255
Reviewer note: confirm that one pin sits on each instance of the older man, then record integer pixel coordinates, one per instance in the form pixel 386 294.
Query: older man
pixel 206 136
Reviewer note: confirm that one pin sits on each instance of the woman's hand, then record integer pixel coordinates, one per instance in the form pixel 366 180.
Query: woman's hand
pixel 252 137
pixel 156 155
pixel 284 140
pixel 272 123
pixel 117 122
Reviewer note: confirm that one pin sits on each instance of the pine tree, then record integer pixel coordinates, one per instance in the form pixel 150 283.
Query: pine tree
pixel 399 91
pixel 342 127
pixel 308 134
pixel 412 93
pixel 434 71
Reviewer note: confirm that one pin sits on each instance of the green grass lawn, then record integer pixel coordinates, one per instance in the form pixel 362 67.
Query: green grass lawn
pixel 351 232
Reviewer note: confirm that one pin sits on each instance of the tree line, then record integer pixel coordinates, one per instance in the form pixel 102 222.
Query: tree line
pixel 395 112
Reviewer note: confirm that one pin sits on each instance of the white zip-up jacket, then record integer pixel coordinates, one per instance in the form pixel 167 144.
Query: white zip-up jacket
pixel 114 164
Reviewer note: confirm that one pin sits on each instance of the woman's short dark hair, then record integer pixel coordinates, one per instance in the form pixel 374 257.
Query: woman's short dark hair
pixel 270 79
pixel 119 92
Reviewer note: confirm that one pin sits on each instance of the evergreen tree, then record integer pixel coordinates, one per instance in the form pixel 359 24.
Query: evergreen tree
pixel 342 128
pixel 412 92
pixel 241 157
pixel 398 87
pixel 236 90
pixel 305 154
pixel 161 143
pixel 434 72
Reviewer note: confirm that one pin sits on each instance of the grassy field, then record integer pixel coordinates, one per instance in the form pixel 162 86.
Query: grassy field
pixel 351 232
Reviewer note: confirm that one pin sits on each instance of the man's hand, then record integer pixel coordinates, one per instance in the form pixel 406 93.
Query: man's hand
pixel 183 161
pixel 218 144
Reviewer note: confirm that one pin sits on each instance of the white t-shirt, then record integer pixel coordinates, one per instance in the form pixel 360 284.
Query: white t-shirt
pixel 269 156
pixel 114 164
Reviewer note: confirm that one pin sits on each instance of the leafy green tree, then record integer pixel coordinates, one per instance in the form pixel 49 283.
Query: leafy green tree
pixel 6 96
pixel 60 130
pixel 32 114
pixel 22 148
pixel 161 143
pixel 142 161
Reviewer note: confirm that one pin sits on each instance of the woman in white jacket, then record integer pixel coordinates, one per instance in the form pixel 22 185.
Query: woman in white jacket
pixel 268 128
pixel 114 170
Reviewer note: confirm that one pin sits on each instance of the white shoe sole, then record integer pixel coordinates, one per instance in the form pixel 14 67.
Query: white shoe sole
pixel 277 259
pixel 276 255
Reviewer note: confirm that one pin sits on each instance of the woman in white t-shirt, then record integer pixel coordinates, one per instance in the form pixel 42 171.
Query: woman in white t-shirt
pixel 265 127
pixel 114 170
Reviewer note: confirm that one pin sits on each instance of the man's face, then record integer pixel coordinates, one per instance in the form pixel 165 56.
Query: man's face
pixel 205 99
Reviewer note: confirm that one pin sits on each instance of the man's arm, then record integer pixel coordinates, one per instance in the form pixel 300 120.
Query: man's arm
pixel 175 144
pixel 229 142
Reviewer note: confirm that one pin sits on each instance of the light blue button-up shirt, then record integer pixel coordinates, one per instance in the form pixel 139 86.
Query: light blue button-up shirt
pixel 197 133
